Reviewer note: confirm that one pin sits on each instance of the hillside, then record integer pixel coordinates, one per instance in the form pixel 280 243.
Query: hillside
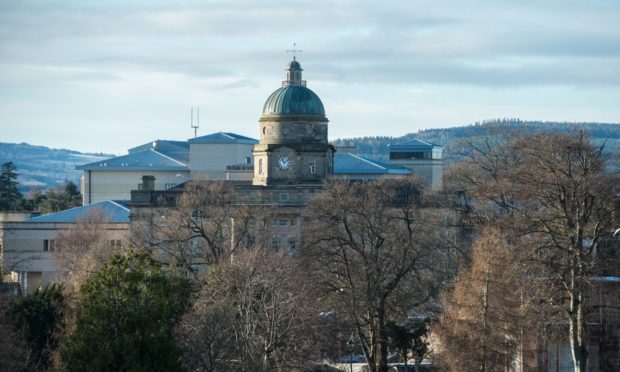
pixel 40 167
pixel 450 138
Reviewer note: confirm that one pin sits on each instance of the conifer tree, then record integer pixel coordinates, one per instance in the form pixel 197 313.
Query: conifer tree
pixel 128 311
pixel 10 196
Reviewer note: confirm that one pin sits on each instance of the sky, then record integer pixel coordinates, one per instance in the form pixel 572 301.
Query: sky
pixel 105 76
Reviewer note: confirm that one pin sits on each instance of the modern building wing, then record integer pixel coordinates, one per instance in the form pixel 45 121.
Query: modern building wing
pixel 347 165
pixel 423 158
pixel 31 254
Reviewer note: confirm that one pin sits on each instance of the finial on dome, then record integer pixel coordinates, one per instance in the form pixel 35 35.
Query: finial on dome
pixel 293 70
pixel 294 50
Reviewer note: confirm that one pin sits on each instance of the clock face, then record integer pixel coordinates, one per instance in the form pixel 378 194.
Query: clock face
pixel 284 163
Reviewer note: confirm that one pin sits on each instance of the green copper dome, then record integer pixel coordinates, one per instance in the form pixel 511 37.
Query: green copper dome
pixel 293 100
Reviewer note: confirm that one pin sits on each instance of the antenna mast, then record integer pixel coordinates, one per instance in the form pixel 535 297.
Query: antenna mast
pixel 195 124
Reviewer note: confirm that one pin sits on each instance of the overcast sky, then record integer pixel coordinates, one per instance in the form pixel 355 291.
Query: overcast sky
pixel 104 76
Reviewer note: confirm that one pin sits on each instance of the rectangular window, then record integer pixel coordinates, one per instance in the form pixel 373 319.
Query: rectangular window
pixel 312 165
pixel 283 222
pixel 293 222
pixel 49 245
pixel 195 246
pixel 168 186
pixel 114 244
pixel 410 155
pixel 290 245
pixel 248 160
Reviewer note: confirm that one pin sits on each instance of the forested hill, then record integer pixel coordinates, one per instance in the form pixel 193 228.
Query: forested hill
pixel 40 167
pixel 377 147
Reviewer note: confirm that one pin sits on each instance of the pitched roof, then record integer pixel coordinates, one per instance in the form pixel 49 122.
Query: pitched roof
pixel 347 163
pixel 141 160
pixel 413 144
pixel 116 211
pixel 178 150
pixel 223 137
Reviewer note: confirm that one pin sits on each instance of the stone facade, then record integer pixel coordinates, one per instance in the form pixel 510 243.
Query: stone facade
pixel 293 147
pixel 31 257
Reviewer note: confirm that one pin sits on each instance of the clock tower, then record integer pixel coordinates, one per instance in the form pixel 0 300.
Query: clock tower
pixel 293 147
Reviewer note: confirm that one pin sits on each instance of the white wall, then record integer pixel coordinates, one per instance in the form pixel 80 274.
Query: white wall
pixel 23 254
pixel 209 160
pixel 117 185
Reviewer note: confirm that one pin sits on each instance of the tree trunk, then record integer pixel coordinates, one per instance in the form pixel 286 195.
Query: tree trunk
pixel 382 341
pixel 577 332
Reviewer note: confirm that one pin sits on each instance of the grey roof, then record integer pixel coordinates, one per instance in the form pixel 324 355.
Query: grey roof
pixel 223 137
pixel 116 211
pixel 178 150
pixel 346 163
pixel 414 144
pixel 142 160
pixel 293 65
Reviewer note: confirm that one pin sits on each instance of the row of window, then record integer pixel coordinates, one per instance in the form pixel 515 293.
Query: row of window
pixel 197 213
pixel 283 223
pixel 50 245
pixel 167 186
pixel 277 242
pixel 410 155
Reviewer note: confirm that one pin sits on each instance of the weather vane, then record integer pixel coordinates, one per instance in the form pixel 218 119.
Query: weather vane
pixel 294 50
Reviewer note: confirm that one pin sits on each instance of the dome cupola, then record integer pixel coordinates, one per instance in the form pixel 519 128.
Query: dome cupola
pixel 293 147
pixel 293 98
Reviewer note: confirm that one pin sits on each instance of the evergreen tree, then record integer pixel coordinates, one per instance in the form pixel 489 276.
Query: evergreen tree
pixel 59 199
pixel 10 196
pixel 128 312
pixel 37 317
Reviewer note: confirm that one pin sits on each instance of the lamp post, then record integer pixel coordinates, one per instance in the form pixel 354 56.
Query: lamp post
pixel 350 347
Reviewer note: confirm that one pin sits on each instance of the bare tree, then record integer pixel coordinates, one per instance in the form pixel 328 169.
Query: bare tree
pixel 552 194
pixel 86 246
pixel 208 225
pixel 373 251
pixel 255 313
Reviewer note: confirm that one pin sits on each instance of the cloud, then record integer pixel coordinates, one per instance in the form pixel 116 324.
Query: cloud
pixel 122 64
pixel 479 43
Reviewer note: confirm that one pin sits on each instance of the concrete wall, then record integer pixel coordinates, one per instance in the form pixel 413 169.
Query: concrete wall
pixel 209 160
pixel 117 185
pixel 24 257
pixel 431 170
pixel 239 175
